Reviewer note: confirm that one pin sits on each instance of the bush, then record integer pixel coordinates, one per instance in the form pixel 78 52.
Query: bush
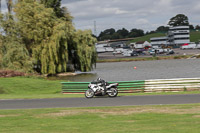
pixel 10 73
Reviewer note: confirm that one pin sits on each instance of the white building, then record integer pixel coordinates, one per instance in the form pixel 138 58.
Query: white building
pixel 177 36
pixel 159 41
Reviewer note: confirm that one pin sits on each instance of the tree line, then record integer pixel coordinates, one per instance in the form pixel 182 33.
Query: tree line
pixel 39 37
pixel 178 20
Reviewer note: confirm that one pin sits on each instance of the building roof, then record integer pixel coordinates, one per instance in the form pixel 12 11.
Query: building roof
pixel 141 42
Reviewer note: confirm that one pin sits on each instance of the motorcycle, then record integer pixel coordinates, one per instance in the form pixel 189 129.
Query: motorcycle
pixel 101 88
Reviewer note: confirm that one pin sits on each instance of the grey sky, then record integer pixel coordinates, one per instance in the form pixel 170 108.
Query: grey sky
pixel 143 14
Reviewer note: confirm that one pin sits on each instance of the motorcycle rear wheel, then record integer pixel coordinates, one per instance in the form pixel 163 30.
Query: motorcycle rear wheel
pixel 112 92
pixel 89 93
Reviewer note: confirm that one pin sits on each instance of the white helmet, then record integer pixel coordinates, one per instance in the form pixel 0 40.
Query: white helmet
pixel 99 79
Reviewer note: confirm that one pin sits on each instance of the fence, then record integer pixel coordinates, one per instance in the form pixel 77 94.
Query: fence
pixel 157 85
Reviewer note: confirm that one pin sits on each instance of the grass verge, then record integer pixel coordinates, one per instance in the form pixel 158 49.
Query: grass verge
pixel 30 87
pixel 134 119
pixel 145 58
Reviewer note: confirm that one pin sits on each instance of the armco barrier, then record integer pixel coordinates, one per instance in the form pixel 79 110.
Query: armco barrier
pixel 180 84
pixel 123 87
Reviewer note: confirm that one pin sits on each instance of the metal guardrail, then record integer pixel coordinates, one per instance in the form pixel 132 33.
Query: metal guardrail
pixel 157 85
pixel 178 84
pixel 123 87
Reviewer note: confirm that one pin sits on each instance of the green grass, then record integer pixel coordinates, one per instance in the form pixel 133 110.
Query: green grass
pixel 26 85
pixel 147 37
pixel 133 119
pixel 194 36
pixel 30 87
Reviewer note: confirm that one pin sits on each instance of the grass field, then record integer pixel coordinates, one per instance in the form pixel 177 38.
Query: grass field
pixel 195 36
pixel 147 37
pixel 30 87
pixel 134 119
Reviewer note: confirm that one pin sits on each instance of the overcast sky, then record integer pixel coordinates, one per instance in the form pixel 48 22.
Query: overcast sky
pixel 142 14
pixel 129 14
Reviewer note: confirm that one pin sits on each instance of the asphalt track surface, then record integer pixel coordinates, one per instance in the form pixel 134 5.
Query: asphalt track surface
pixel 100 101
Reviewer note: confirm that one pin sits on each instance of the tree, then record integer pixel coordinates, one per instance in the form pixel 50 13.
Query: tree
pixel 50 39
pixel 9 5
pixel 162 29
pixel 56 5
pixel 47 39
pixel 123 32
pixel 197 27
pixel 13 52
pixel 106 34
pixel 84 50
pixel 179 20
pixel 191 27
pixel 136 33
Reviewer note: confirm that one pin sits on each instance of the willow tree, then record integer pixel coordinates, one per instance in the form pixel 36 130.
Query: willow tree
pixel 9 5
pixel 1 50
pixel 55 5
pixel 46 36
pixel 13 52
pixel 84 50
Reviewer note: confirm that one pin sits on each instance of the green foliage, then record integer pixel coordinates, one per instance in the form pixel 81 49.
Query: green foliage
pixel 47 38
pixel 84 50
pixel 179 20
pixel 13 52
pixel 162 29
pixel 119 34
pixel 36 37
pixel 55 4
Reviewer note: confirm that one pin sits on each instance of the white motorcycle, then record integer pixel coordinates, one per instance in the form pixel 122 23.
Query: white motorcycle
pixel 101 88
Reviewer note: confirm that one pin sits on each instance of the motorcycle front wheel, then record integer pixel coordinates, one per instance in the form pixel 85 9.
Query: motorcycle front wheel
pixel 112 92
pixel 89 93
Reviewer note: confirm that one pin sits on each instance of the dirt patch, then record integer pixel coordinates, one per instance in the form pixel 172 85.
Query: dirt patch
pixel 10 73
pixel 1 116
pixel 127 111
pixel 196 116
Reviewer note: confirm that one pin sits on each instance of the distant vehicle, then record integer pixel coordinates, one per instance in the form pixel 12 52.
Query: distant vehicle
pixel 157 51
pixel 118 51
pixel 108 49
pixel 151 51
pixel 198 46
pixel 100 49
pixel 170 51
pixel 134 53
pixel 155 47
pixel 188 46
pixel 127 52
pixel 160 51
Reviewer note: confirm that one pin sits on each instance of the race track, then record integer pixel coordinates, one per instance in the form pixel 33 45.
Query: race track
pixel 100 101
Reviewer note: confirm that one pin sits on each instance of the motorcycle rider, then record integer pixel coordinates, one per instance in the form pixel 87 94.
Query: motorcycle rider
pixel 103 83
